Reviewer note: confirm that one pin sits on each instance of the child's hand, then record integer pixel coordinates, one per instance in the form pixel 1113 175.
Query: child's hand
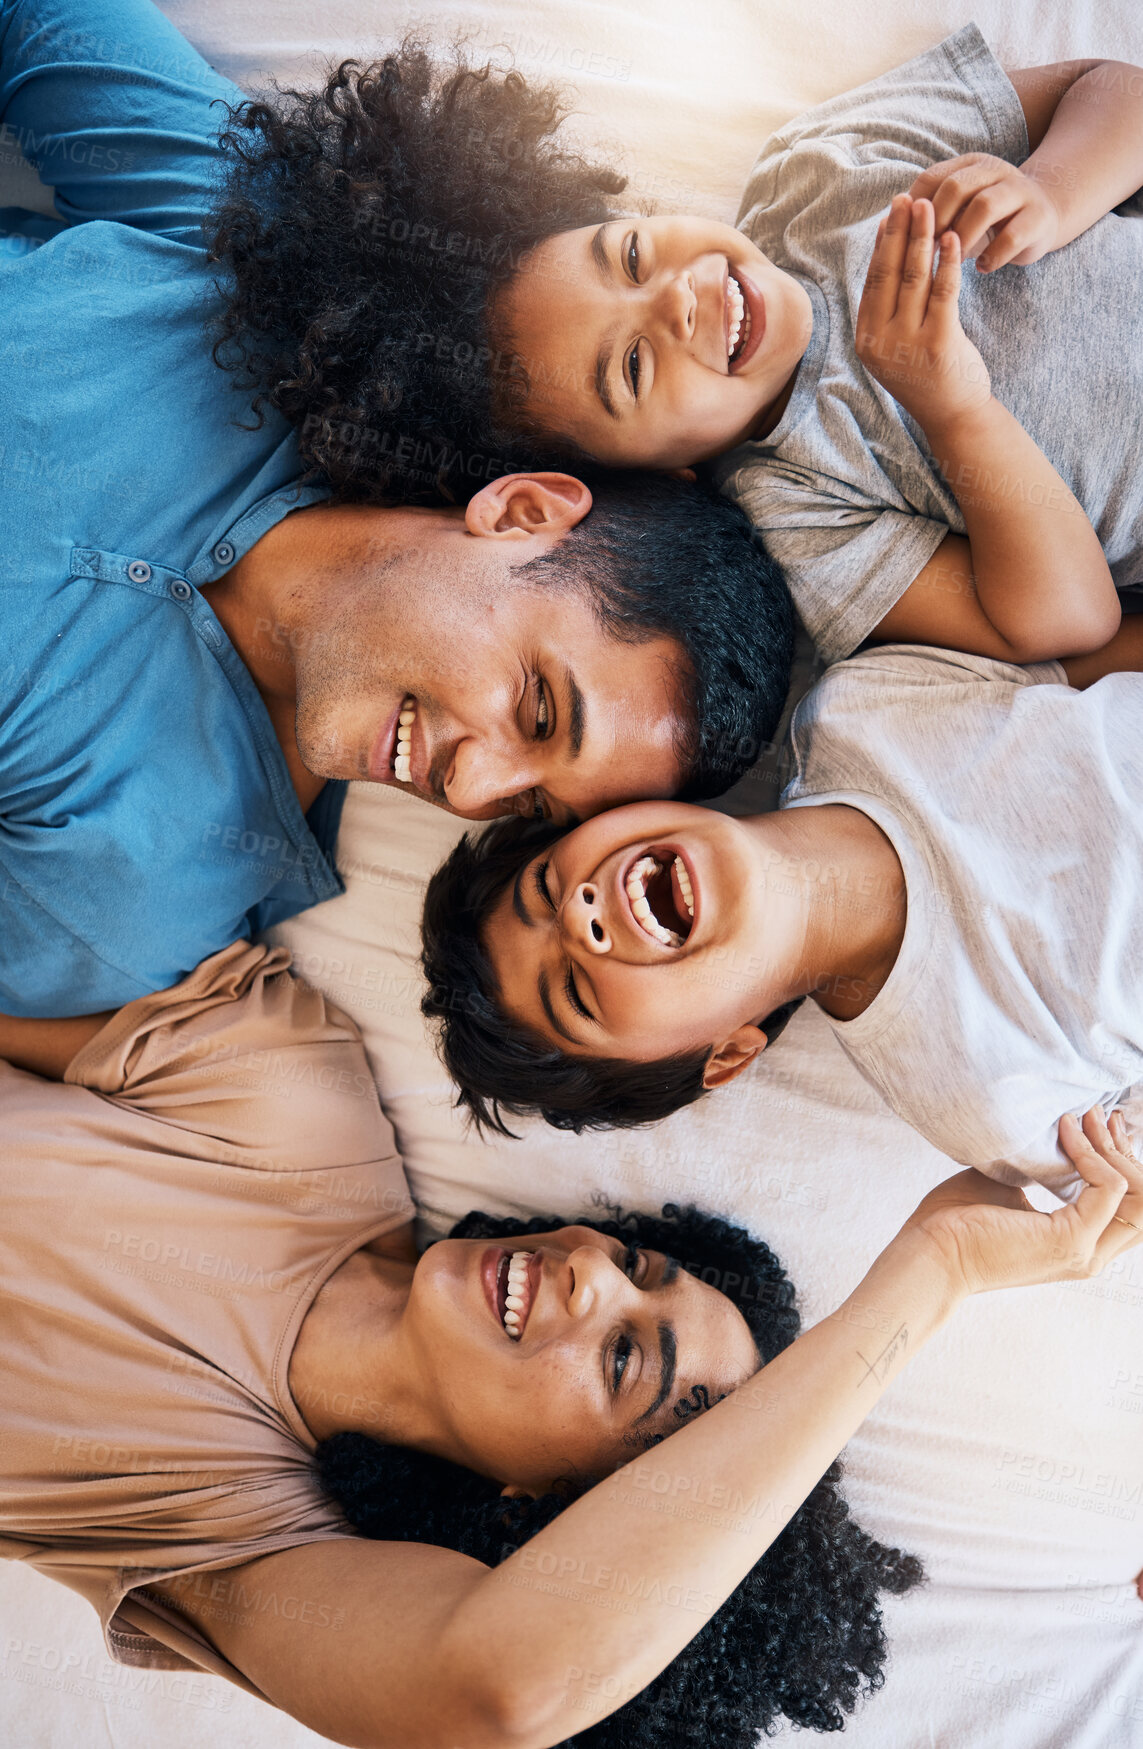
pixel 991 1237
pixel 1001 216
pixel 909 335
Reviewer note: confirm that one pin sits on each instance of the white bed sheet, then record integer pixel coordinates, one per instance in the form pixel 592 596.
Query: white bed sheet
pixel 1010 1455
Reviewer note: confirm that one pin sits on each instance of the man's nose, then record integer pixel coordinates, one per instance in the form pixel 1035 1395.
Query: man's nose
pixel 582 919
pixel 482 776
pixel 676 304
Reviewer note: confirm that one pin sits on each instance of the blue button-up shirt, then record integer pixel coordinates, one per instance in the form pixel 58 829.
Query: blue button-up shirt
pixel 147 816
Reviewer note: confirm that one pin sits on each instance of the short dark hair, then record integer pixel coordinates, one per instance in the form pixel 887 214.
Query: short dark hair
pixel 499 1066
pixel 658 557
pixel 800 1637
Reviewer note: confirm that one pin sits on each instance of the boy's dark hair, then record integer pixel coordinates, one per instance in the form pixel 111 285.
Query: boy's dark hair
pixel 364 230
pixel 499 1067
pixel 801 1636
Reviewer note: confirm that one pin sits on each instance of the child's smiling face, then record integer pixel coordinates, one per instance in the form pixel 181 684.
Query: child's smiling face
pixel 654 342
pixel 636 936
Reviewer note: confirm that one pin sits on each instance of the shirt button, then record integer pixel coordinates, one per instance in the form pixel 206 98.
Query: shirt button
pixel 180 590
pixel 224 553
pixel 139 571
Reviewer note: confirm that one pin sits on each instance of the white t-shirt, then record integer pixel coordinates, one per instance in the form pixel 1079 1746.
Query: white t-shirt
pixel 1015 805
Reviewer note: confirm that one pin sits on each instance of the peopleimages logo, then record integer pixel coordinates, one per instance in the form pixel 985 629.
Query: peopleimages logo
pixel 50 151
pixel 170 1256
pixel 263 845
pixel 1073 1484
pixel 416 456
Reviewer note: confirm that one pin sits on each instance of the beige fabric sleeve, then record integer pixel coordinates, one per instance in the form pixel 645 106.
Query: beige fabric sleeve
pixel 244 1053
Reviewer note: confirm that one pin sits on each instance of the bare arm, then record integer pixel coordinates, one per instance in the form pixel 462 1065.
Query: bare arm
pixel 1123 655
pixel 1085 128
pixel 46 1047
pixel 435 1649
pixel 438 1650
pixel 1029 577
pixel 1085 125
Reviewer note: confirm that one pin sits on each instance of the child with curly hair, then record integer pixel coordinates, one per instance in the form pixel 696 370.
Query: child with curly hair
pixel 413 251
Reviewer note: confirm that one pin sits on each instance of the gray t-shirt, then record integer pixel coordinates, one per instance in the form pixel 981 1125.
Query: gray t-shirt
pixel 844 487
pixel 1016 807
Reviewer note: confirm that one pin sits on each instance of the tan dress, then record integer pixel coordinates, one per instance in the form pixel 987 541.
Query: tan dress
pixel 169 1213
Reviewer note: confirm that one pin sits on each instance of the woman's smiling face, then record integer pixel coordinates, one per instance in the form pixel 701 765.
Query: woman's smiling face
pixel 565 1353
pixel 636 936
pixel 653 342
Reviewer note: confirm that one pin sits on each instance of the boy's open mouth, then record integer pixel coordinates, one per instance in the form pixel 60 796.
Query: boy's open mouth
pixel 738 320
pixel 661 897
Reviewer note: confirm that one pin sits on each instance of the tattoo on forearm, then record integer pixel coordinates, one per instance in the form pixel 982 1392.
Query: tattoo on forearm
pixel 879 1367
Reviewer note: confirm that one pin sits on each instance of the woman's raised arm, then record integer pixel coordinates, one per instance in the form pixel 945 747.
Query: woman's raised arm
pixel 437 1649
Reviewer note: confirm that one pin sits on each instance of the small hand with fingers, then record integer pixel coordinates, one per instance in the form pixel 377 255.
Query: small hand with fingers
pixel 1002 216
pixel 909 334
pixel 1119 1154
pixel 991 1236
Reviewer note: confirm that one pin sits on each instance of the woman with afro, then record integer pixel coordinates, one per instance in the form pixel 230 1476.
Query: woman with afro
pixel 593 1465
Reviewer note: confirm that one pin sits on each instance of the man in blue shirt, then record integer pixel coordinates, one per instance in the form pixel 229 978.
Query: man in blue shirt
pixel 199 645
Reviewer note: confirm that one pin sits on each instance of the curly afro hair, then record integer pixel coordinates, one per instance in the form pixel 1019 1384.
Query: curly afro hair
pixel 364 230
pixel 801 1637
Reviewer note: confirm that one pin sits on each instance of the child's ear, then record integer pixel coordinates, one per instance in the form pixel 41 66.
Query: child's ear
pixel 733 1055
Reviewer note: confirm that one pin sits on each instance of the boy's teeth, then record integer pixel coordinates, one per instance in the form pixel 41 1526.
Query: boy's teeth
pixel 737 305
pixel 403 757
pixel 639 874
pixel 685 885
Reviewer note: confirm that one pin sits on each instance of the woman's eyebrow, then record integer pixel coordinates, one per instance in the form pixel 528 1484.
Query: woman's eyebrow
pixel 668 1352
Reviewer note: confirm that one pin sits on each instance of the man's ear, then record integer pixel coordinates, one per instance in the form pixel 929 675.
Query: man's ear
pixel 734 1055
pixel 522 505
pixel 516 1491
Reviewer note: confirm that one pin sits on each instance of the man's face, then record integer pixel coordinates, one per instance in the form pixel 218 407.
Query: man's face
pixel 427 661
